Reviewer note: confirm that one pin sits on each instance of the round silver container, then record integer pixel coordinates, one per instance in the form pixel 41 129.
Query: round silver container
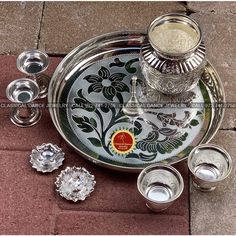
pixel 209 164
pixel 160 185
pixel 173 56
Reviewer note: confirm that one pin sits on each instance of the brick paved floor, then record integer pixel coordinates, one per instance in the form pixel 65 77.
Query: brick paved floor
pixel 29 204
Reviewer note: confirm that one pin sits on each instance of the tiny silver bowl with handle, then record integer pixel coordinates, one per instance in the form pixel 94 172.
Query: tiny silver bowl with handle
pixel 209 164
pixel 160 185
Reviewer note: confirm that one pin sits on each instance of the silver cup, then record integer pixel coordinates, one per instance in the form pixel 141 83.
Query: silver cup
pixel 33 63
pixel 23 91
pixel 209 164
pixel 160 185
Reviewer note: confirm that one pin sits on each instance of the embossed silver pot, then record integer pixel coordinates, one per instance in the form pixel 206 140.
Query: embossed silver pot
pixel 173 71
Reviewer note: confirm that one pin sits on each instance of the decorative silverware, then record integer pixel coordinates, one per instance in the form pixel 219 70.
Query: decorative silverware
pixel 23 91
pixel 209 164
pixel 154 96
pixel 132 107
pixel 160 185
pixel 47 157
pixel 33 63
pixel 101 81
pixel 173 58
pixel 75 183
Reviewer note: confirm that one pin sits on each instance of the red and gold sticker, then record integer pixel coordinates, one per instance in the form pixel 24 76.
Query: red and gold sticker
pixel 123 141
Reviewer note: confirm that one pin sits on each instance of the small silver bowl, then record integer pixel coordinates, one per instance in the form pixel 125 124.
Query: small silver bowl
pixel 209 164
pixel 22 90
pixel 32 62
pixel 47 157
pixel 160 185
pixel 75 183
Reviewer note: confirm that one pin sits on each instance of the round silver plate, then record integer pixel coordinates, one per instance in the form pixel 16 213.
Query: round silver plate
pixel 98 72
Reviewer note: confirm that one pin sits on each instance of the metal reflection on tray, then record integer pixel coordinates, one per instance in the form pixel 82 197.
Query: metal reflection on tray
pixel 95 83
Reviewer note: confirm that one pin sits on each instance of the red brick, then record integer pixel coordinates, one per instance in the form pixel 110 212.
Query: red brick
pixel 26 197
pixel 17 138
pixel 120 223
pixel 116 191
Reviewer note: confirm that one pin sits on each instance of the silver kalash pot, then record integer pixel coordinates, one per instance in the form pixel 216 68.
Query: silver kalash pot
pixel 173 57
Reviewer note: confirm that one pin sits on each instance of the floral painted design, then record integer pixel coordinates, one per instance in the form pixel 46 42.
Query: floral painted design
pixel 167 134
pixel 108 84
pixel 154 145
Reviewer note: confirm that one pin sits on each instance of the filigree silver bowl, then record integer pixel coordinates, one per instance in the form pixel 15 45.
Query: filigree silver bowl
pixel 75 183
pixel 47 157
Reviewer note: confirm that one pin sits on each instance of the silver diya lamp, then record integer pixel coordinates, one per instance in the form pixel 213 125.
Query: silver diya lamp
pixel 75 183
pixel 23 92
pixel 47 157
pixel 33 63
pixel 173 56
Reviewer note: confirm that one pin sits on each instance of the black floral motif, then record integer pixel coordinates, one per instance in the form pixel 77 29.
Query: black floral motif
pixel 167 145
pixel 109 84
pixel 171 119
pixel 161 139
pixel 117 62
pixel 141 156
pixel 82 102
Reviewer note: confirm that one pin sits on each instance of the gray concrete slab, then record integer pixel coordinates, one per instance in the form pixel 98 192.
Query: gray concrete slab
pixel 19 26
pixel 214 212
pixel 219 34
pixel 213 6
pixel 68 24
pixel 220 39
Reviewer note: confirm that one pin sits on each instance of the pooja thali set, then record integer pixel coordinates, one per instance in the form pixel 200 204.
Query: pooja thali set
pixel 130 101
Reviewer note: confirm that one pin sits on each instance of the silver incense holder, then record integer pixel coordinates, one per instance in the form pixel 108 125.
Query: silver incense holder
pixel 160 185
pixel 173 58
pixel 209 164
pixel 47 157
pixel 33 63
pixel 75 183
pixel 23 91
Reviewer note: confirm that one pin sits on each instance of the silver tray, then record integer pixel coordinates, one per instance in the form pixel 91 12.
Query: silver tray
pixel 98 72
